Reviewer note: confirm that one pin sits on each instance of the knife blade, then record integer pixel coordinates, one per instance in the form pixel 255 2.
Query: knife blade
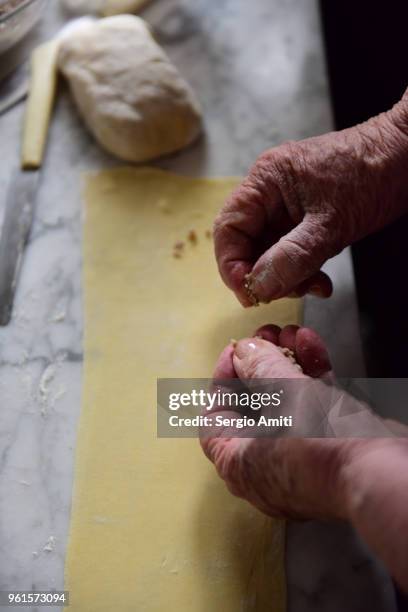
pixel 21 197
pixel 17 222
pixel 14 98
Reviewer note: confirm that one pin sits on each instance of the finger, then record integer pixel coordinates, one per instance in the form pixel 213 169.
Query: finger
pixel 311 353
pixel 255 358
pixel 287 337
pixel 224 368
pixel 218 446
pixel 217 441
pixel 297 256
pixel 223 373
pixel 319 285
pixel 237 230
pixel 269 333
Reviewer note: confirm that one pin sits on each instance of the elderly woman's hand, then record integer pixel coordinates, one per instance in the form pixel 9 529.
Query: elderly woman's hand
pixel 364 481
pixel 303 202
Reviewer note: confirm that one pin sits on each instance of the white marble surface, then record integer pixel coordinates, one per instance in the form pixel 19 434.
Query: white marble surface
pixel 258 69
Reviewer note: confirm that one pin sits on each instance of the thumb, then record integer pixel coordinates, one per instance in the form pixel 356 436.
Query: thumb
pixel 255 358
pixel 296 257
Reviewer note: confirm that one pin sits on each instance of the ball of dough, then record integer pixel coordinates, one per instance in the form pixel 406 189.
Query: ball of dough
pixel 130 95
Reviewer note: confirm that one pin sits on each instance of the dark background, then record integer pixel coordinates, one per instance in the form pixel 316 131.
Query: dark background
pixel 367 56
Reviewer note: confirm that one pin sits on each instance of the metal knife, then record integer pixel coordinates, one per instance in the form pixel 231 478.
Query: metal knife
pixel 14 98
pixel 21 197
pixel 16 229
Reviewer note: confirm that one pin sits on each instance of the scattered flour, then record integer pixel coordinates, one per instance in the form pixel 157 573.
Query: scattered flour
pixel 44 387
pixel 50 545
pixel 59 316
pixel 59 394
pixel 24 483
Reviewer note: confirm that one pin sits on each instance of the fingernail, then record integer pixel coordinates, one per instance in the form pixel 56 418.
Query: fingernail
pixel 243 347
pixel 266 286
pixel 244 300
pixel 251 295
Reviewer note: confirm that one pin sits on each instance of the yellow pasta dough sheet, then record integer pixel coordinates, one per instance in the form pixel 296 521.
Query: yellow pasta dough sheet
pixel 153 527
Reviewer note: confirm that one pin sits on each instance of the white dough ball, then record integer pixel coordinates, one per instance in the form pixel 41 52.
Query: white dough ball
pixel 130 95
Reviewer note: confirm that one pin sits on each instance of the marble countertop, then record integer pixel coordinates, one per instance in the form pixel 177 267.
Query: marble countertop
pixel 258 68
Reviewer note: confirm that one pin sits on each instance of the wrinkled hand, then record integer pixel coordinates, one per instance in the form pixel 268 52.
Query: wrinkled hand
pixel 258 469
pixel 303 202
pixel 364 481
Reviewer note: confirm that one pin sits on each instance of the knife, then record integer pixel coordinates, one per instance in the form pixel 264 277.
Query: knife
pixel 18 217
pixel 21 197
pixel 14 98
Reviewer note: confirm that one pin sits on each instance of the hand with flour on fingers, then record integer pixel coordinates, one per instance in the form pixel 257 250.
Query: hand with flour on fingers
pixel 303 202
pixel 360 480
